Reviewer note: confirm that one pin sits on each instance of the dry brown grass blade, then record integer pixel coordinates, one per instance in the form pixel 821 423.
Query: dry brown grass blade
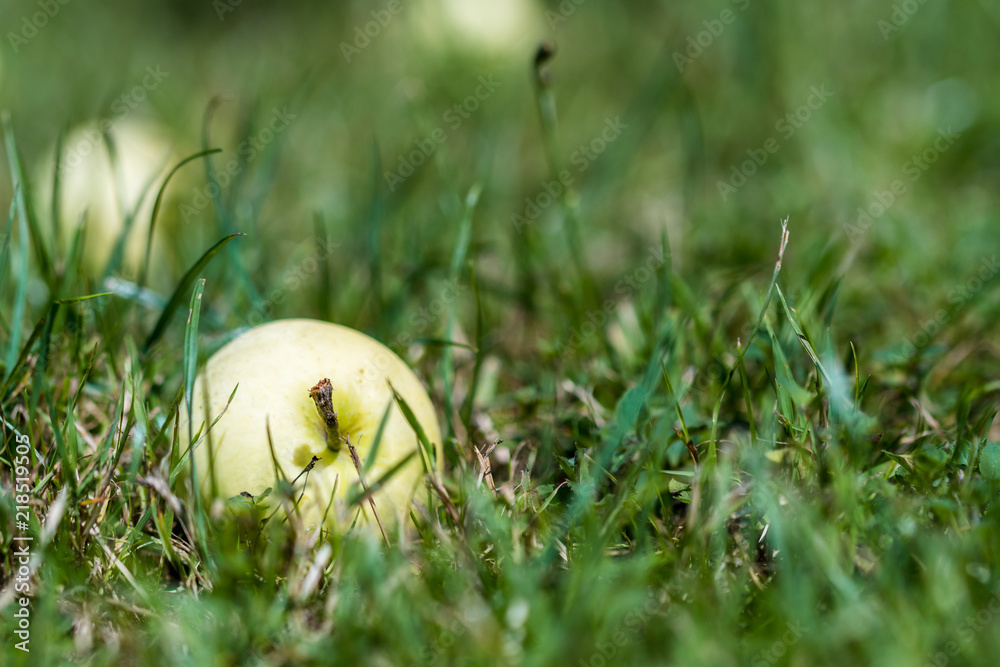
pixel 356 460
pixel 485 467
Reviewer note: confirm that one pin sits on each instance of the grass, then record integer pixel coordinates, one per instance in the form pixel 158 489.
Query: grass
pixel 676 430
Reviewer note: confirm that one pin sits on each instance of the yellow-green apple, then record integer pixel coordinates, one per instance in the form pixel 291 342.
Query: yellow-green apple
pixel 493 28
pixel 310 391
pixel 88 182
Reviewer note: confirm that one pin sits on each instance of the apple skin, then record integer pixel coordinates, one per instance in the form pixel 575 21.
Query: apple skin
pixel 275 365
pixel 88 183
pixel 488 28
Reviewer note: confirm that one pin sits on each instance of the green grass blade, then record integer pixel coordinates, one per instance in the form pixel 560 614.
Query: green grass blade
pixel 40 377
pixel 159 202
pixel 324 295
pixel 56 210
pixel 5 251
pixel 441 342
pixel 111 146
pixel 20 296
pixel 223 214
pixel 72 269
pixel 457 261
pixel 803 336
pixel 675 400
pixel 427 455
pixel 177 467
pixel 190 374
pixel 182 289
pixel 362 494
pixel 88 297
pixel 376 219
pixel 24 202
pixel 465 413
pixel 66 458
pixel 713 440
pixel 373 452
pixel 747 395
pixel 117 257
pixel 191 345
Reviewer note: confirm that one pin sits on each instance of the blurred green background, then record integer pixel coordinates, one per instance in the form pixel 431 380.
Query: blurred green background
pixel 891 88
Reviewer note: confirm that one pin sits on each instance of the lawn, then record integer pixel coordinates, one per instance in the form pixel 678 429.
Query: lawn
pixel 704 296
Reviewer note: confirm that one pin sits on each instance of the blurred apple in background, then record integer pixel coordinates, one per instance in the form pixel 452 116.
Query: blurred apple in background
pixel 108 195
pixel 488 27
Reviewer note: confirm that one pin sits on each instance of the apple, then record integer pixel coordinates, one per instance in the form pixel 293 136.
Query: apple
pixel 89 183
pixel 317 390
pixel 483 27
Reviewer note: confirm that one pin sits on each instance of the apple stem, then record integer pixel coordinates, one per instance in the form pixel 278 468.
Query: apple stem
pixel 322 396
